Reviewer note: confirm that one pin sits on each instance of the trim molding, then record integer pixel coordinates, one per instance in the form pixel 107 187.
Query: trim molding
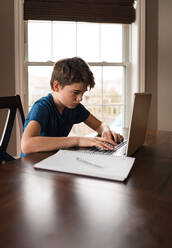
pixel 19 63
pixel 19 49
pixel 141 8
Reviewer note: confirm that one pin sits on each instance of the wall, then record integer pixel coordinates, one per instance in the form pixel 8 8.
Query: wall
pixel 7 69
pixel 165 66
pixel 7 65
pixel 151 59
pixel 158 62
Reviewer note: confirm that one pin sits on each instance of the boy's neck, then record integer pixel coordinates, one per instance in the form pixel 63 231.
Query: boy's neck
pixel 58 104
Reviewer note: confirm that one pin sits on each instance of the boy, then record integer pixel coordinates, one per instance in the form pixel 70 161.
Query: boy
pixel 51 118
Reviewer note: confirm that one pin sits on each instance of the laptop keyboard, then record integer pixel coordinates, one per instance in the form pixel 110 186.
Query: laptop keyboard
pixel 107 152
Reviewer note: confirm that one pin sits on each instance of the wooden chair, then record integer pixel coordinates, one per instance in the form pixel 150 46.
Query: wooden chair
pixel 12 103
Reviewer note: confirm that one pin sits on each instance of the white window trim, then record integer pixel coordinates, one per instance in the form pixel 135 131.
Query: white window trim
pixel 19 62
pixel 137 77
pixel 136 74
pixel 19 48
pixel 124 64
pixel 141 43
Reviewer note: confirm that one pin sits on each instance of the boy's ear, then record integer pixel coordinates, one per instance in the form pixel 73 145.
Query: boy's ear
pixel 56 86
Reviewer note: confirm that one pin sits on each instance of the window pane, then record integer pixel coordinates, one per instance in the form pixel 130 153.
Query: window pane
pixel 88 41
pixel 112 115
pixel 39 82
pixel 64 40
pixel 96 111
pixel 93 42
pixel 94 95
pixel 39 41
pixel 112 84
pixel 111 42
pixel 82 128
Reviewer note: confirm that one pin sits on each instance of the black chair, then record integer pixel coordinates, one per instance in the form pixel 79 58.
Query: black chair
pixel 12 103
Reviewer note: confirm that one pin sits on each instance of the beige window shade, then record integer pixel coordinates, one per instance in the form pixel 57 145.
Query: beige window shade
pixel 101 11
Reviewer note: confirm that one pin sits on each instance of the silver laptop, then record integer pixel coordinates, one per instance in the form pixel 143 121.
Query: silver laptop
pixel 80 163
pixel 137 129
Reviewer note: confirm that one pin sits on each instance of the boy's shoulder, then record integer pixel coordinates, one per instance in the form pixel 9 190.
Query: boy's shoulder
pixel 41 108
pixel 44 101
pixel 42 105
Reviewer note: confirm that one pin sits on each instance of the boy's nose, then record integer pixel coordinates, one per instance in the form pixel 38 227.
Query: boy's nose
pixel 79 98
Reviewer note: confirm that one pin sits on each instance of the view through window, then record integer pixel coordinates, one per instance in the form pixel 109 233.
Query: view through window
pixel 103 46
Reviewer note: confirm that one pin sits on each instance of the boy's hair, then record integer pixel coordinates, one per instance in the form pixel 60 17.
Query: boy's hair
pixel 72 70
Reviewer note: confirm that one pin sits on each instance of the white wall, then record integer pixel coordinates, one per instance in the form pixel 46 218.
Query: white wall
pixel 165 66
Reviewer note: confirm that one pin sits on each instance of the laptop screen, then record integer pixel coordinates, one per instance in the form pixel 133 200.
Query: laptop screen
pixel 139 120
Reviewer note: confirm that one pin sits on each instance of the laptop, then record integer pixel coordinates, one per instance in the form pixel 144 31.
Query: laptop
pixel 137 129
pixel 90 162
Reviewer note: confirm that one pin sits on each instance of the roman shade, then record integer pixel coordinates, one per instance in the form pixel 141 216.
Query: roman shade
pixel 101 11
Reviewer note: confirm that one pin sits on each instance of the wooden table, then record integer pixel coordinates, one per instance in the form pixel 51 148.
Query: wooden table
pixel 41 209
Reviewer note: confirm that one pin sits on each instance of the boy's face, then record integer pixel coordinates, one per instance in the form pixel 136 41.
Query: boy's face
pixel 71 95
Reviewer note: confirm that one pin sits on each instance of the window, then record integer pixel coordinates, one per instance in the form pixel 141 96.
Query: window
pixel 105 47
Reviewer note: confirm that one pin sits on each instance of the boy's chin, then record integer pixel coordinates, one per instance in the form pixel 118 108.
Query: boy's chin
pixel 72 106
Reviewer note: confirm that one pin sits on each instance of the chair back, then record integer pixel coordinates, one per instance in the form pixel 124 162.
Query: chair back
pixel 12 103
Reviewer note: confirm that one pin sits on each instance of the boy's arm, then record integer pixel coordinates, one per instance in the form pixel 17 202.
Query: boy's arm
pixel 33 142
pixel 102 129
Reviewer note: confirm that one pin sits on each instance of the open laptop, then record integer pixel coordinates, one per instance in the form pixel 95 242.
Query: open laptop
pixel 90 163
pixel 137 129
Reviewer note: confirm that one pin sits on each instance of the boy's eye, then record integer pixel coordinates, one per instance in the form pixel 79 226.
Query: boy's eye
pixel 78 92
pixel 75 93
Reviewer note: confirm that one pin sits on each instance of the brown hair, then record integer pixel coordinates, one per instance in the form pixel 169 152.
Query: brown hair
pixel 72 70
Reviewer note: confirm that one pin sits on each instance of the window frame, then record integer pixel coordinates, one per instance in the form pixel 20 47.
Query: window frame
pixel 135 79
pixel 125 64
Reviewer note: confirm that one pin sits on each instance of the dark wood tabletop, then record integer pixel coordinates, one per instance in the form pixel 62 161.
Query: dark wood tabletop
pixel 43 209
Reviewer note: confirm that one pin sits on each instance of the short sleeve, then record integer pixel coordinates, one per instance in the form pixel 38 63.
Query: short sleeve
pixel 82 114
pixel 39 113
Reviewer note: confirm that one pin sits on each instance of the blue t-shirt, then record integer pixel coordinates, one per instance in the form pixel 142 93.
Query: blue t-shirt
pixel 54 124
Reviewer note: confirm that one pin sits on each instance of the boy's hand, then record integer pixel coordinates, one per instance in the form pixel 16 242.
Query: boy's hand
pixel 103 129
pixel 112 136
pixel 100 142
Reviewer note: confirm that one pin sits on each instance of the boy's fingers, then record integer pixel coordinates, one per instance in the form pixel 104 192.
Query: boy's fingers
pixel 103 145
pixel 117 137
pixel 106 143
pixel 112 136
pixel 109 140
